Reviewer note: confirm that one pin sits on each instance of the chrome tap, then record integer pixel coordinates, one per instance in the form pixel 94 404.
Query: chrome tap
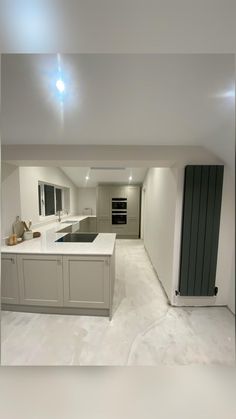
pixel 59 216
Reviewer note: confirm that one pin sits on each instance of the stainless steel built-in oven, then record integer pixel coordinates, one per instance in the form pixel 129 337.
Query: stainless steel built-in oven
pixel 119 204
pixel 119 210
pixel 119 218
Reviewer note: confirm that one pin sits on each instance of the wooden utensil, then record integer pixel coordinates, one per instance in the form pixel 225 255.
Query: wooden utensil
pixel 25 225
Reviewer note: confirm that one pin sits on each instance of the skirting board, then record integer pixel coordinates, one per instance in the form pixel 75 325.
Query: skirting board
pixel 123 236
pixel 180 301
pixel 57 310
pixel 194 301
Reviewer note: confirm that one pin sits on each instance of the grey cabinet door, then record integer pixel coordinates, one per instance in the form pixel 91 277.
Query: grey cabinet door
pixel 103 201
pixel 133 226
pixel 9 280
pixel 133 201
pixel 119 191
pixel 40 280
pixel 83 226
pixel 103 225
pixel 86 282
pixel 119 229
pixel 92 224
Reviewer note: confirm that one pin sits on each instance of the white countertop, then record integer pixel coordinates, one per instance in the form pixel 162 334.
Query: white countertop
pixel 102 245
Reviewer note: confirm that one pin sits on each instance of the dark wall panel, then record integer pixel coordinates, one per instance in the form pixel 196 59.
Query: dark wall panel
pixel 200 230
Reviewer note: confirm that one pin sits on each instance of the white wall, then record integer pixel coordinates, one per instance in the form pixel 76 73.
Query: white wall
pixel 162 222
pixel 87 199
pixel 222 143
pixel 10 199
pixel 20 193
pixel 225 263
pixel 160 195
pixel 29 178
pixel 231 298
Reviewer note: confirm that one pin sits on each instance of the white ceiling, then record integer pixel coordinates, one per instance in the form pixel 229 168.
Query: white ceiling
pixel 116 99
pixel 117 26
pixel 120 175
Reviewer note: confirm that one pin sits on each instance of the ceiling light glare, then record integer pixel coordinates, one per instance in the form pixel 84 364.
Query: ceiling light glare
pixel 230 93
pixel 60 85
pixel 87 177
pixel 130 178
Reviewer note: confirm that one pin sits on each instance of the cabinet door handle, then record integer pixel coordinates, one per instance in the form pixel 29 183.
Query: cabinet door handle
pixel 59 261
pixel 12 260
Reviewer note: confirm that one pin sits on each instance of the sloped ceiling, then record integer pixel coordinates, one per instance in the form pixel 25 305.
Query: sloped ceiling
pixel 124 99
pixel 118 26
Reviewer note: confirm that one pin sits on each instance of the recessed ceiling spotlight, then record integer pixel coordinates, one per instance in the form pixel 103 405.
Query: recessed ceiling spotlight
pixel 60 85
pixel 130 178
pixel 87 177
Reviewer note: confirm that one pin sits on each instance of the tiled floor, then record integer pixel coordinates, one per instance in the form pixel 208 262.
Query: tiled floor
pixel 144 330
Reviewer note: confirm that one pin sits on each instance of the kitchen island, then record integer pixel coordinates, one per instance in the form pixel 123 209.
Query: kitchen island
pixel 46 276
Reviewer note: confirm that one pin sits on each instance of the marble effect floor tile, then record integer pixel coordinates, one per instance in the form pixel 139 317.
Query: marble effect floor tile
pixel 145 329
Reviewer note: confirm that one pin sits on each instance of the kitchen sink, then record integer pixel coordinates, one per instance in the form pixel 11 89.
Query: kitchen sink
pixel 78 237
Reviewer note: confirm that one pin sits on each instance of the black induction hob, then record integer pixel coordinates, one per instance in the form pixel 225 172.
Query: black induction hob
pixel 78 237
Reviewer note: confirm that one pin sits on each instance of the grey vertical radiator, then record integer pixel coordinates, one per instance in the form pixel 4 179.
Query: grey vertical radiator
pixel 200 230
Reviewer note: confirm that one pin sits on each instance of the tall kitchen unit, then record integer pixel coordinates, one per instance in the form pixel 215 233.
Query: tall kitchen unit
pixel 118 210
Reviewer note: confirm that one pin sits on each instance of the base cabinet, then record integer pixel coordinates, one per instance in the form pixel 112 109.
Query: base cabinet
pixel 40 279
pixel 9 280
pixel 86 282
pixel 83 226
pixel 104 225
pixel 92 224
pixel 88 225
pixel 40 283
pixel 133 226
